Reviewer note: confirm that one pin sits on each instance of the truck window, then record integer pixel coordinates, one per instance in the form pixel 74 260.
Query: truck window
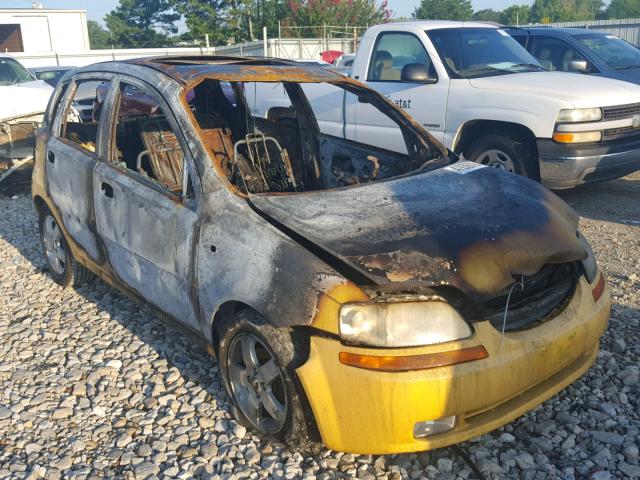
pixel 478 52
pixel 394 51
pixel 553 53
pixel 80 122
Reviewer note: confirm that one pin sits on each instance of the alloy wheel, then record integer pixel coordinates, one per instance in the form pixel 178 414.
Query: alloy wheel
pixel 54 249
pixel 497 159
pixel 257 383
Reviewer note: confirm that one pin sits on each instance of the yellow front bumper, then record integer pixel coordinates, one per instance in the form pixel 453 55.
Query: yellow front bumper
pixel 371 412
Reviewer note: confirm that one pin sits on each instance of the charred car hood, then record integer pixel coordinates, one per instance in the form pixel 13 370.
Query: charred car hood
pixel 473 231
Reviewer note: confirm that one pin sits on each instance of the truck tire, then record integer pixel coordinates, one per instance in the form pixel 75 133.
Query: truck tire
pixel 255 360
pixel 64 269
pixel 504 152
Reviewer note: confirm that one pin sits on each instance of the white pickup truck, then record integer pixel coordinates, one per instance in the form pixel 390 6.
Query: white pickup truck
pixel 486 98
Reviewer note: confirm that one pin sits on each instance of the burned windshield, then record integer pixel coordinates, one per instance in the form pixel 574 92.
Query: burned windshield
pixel 12 73
pixel 270 137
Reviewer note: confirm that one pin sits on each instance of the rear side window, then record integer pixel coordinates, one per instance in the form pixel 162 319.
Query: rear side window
pixel 145 142
pixel 521 39
pixel 394 51
pixel 82 117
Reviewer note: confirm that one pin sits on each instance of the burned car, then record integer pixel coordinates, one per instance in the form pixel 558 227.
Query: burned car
pixel 372 300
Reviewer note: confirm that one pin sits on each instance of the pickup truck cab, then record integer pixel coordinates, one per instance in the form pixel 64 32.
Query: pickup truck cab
pixel 485 97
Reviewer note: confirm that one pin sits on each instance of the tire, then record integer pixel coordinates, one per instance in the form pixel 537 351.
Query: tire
pixel 504 152
pixel 63 268
pixel 271 385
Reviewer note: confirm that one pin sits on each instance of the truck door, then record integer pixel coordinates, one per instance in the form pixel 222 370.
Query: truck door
pixel 394 54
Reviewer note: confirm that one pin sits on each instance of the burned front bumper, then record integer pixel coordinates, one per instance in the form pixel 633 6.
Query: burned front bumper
pixel 375 412
pixel 566 166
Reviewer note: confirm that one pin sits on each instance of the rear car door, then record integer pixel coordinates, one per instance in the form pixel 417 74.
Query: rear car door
pixel 145 205
pixel 72 152
pixel 427 103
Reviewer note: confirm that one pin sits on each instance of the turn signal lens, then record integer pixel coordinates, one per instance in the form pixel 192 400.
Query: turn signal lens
pixel 577 137
pixel 598 289
pixel 405 363
pixel 431 427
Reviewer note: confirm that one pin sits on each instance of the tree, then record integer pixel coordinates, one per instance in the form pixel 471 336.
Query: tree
pixel 486 15
pixel 316 13
pixel 515 15
pixel 546 11
pixel 204 17
pixel 444 10
pixel 98 36
pixel 623 9
pixel 142 23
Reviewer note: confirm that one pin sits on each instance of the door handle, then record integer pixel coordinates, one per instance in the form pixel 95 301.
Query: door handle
pixel 107 190
pixel 51 156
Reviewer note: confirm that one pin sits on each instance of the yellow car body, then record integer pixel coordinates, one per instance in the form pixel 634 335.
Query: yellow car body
pixel 374 412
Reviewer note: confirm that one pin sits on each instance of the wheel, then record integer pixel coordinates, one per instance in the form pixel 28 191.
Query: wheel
pixel 63 267
pixel 503 152
pixel 255 360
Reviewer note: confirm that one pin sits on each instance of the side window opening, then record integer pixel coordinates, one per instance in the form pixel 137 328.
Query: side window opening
pixel 55 111
pixel 145 142
pixel 270 141
pixel 553 53
pixel 393 52
pixel 81 120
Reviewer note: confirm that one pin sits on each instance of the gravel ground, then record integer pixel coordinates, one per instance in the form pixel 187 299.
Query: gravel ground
pixel 92 385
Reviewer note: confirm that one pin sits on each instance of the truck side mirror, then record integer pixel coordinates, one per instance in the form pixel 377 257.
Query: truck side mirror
pixel 417 73
pixel 578 66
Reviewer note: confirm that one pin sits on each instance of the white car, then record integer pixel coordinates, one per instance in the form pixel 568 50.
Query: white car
pixel 485 97
pixel 23 100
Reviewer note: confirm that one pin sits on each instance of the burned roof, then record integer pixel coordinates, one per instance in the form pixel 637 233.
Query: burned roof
pixel 241 69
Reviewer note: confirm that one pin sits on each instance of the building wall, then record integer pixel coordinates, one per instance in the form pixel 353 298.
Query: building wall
pixel 45 30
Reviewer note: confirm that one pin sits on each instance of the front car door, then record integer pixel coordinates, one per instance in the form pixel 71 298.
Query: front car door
pixel 556 54
pixel 145 201
pixel 72 152
pixel 427 103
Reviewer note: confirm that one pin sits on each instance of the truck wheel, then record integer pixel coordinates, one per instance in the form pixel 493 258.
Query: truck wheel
pixel 499 151
pixel 62 266
pixel 254 359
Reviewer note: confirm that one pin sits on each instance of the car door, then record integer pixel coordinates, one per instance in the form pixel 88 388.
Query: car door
pixel 145 203
pixel 72 152
pixel 556 54
pixel 427 103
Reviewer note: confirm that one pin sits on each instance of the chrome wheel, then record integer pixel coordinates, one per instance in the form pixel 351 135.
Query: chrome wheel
pixel 496 159
pixel 257 383
pixel 52 239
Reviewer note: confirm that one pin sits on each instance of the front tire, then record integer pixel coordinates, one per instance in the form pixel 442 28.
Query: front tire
pixel 255 360
pixel 503 152
pixel 64 269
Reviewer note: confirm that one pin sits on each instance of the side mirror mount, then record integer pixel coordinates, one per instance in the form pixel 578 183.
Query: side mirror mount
pixel 416 73
pixel 581 66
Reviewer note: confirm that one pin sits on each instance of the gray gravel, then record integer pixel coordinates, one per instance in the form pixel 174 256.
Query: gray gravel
pixel 92 385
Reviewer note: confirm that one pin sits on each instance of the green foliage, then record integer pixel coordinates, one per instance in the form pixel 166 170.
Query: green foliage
pixel 486 15
pixel 547 11
pixel 623 9
pixel 142 23
pixel 444 10
pixel 98 37
pixel 316 13
pixel 515 15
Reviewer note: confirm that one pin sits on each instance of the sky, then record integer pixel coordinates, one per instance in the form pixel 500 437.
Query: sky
pixel 96 9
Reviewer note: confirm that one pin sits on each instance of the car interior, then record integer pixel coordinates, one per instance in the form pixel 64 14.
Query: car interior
pixel 284 150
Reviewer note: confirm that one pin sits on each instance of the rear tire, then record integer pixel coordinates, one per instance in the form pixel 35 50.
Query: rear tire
pixel 503 152
pixel 63 268
pixel 256 362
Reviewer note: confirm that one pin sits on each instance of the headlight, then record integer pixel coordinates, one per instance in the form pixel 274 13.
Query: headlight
pixel 402 324
pixel 589 264
pixel 577 137
pixel 577 115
